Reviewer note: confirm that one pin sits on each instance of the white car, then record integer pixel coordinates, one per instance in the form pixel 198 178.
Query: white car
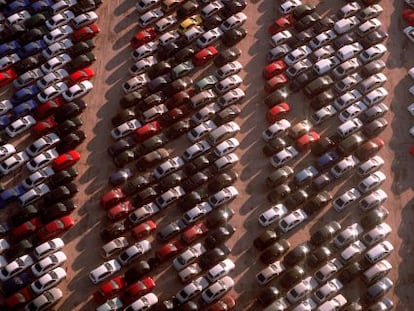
pixel 150 17
pixel 347 67
pixel 349 127
pixel 135 83
pixel 189 272
pixel 6 151
pixel 322 39
pixel 284 156
pixel 42 160
pixel 328 270
pixel 228 70
pixel 297 54
pixel 34 194
pixel 335 303
pixel 234 21
pixel 270 272
pixel 323 114
pixel 368 26
pixel 376 111
pixel 143 213
pixel 209 37
pixel 228 83
pixel 369 166
pixel 273 214
pixel 231 97
pixel 327 290
pixel 372 200
pixel 59 19
pixel 292 220
pixel 226 147
pixel 204 114
pixel 374 52
pixel 197 212
pixel 165 23
pixel 144 50
pixel 345 199
pixel 371 182
pixel 16 266
pixel 18 18
pixel 48 247
pixel 145 5
pixel 217 289
pixel 377 234
pixel 219 270
pixel 349 51
pixel 325 65
pixel 142 65
pixel 52 78
pixel 375 96
pixel 62 5
pixel 49 263
pixel 192 289
pixel 352 111
pixel 201 130
pixel 278 52
pixel 4 245
pixel 348 235
pixel 225 162
pixel 37 178
pixel 45 301
pixel 276 129
pixel 167 37
pixel 134 251
pixel 377 271
pixel 104 271
pixel 58 34
pixel 298 67
pixel 169 197
pixel 144 303
pixel 301 289
pixel 8 61
pixel 13 162
pixel 306 304
pixel 349 9
pixel 125 129
pixel 48 280
pixel 43 143
pixel 77 90
pixel 223 196
pixel 196 150
pixel 111 304
pixel 346 24
pixel 354 250
pixel 346 99
pixel 288 6
pixel 168 167
pixel 410 3
pixel 280 38
pixel 114 246
pixel 188 256
pixel 5 106
pixel 55 63
pixel 51 92
pixel 379 252
pixel 84 19
pixel 27 78
pixel 20 125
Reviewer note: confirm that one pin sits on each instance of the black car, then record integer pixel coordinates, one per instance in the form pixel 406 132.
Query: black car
pixel 198 164
pixel 33 35
pixel 325 23
pixel 28 63
pixel 213 257
pixel 274 251
pixel 69 126
pixel 279 193
pixel 278 96
pixel 264 240
pixel 322 99
pixel 178 85
pixel 226 115
pixel 319 256
pixel 343 40
pixel 219 217
pixel 61 193
pixel 186 9
pixel 184 55
pixel 194 181
pixel 171 180
pixel 214 20
pixel 296 198
pixel 145 196
pixel 274 146
pixel 321 146
pixel 374 217
pixel 113 231
pixel 151 144
pixel 291 277
pixel 52 212
pixel 137 271
pixel 232 7
pixel 297 255
pixel 19 249
pixel 373 67
pixel 307 21
pixel 133 98
pixel 158 83
pixel 171 230
pixel 227 56
pixel 24 214
pixel 63 177
pixel 234 36
pixel 150 101
pixel 71 141
pixel 152 159
pixel 125 157
pixel 318 202
pixel 123 116
pixel 159 69
pixel 16 283
pixel 375 127
pixel 177 129
pixel 80 48
pixel 83 6
pixel 222 180
pixel 219 235
pixel 303 10
pixel 268 295
pixel 191 199
pixel 134 185
pixel 374 37
pixel 69 110
pixel 350 272
pixel 169 50
pixel 121 145
pixel 81 61
pixel 302 79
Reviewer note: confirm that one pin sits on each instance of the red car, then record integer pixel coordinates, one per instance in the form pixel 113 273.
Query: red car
pixel 55 228
pixel 169 249
pixel 281 24
pixel 194 232
pixel 274 83
pixel 204 55
pixel 305 141
pixel 7 76
pixel 26 229
pixel 109 289
pixel 19 299
pixel 178 99
pixel 120 210
pixel 277 112
pixel 112 197
pixel 143 36
pixel 147 130
pixel 86 33
pixel 408 16
pixel 224 304
pixel 137 289
pixel 273 69
pixel 174 115
pixel 65 160
pixel 43 127
pixel 80 75
pixel 48 108
pixel 144 229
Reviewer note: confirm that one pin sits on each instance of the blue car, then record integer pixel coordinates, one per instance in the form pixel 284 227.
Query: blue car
pixel 41 5
pixel 327 159
pixel 24 108
pixel 16 6
pixel 9 48
pixel 25 93
pixel 32 48
pixel 16 283
pixel 4 121
pixel 10 195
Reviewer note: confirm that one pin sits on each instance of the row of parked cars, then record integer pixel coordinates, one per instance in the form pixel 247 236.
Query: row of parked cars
pixel 44 53
pixel 336 61
pixel 162 103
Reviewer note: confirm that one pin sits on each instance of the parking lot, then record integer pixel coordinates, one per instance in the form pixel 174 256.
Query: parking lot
pixel 117 21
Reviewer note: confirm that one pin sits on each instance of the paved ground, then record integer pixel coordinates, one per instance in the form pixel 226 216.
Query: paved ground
pixel 117 19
